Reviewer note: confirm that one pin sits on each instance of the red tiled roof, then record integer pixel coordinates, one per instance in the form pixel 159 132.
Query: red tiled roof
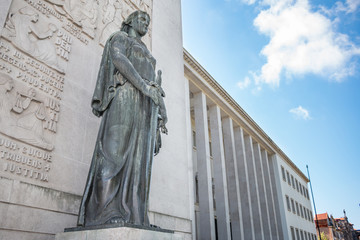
pixel 322 216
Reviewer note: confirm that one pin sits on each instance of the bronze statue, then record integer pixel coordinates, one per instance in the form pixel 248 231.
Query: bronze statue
pixel 129 98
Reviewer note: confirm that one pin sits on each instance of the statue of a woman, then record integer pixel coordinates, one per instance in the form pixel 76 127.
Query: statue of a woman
pixel 129 98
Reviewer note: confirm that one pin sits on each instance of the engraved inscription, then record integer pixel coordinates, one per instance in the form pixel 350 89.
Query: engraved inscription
pixel 25 161
pixel 24 116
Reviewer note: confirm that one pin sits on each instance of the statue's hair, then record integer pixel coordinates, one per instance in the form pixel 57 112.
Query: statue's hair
pixel 125 26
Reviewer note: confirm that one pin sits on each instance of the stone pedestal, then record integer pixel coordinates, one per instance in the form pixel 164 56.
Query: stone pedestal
pixel 117 233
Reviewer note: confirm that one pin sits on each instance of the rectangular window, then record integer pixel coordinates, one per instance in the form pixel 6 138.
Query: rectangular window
pixel 305 213
pixel 301 211
pixel 300 186
pixel 297 208
pixel 307 194
pixel 306 235
pixel 309 236
pixel 283 173
pixel 288 177
pixel 194 138
pixel 302 234
pixel 304 191
pixel 311 216
pixel 292 233
pixel 297 234
pixel 293 205
pixel 288 202
pixel 297 184
pixel 292 181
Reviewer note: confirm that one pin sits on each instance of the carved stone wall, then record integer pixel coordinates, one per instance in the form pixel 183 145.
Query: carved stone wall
pixel 41 44
pixel 50 52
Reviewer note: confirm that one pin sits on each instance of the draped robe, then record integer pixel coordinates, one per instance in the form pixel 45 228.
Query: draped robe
pixel 119 175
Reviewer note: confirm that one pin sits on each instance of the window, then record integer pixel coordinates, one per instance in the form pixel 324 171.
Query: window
pixel 305 213
pixel 302 234
pixel 293 205
pixel 297 208
pixel 297 184
pixel 288 203
pixel 309 236
pixel 307 194
pixel 300 186
pixel 311 216
pixel 292 233
pixel 304 191
pixel 301 211
pixel 292 181
pixel 297 234
pixel 306 235
pixel 283 173
pixel 288 177
pixel 194 138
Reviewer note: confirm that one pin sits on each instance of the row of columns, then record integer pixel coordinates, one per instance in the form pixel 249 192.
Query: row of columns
pixel 246 203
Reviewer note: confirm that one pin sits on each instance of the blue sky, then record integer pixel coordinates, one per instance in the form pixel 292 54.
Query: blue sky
pixel 293 66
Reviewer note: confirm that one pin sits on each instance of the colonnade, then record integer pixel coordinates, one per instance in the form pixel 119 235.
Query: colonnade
pixel 242 172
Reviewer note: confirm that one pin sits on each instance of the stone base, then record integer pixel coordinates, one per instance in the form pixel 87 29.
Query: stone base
pixel 117 233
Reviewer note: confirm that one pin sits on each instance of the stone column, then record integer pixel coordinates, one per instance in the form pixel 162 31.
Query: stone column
pixel 221 194
pixel 254 192
pixel 269 195
pixel 262 191
pixel 232 179
pixel 206 208
pixel 278 197
pixel 247 222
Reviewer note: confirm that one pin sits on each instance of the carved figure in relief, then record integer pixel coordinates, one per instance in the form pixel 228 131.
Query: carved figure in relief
pixel 82 12
pixel 29 114
pixel 129 98
pixel 6 85
pixel 23 30
pixel 114 14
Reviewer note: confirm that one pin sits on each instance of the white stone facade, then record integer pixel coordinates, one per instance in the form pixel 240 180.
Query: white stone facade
pixel 50 51
pixel 237 171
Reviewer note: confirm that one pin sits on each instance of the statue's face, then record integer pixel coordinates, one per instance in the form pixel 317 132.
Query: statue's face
pixel 141 24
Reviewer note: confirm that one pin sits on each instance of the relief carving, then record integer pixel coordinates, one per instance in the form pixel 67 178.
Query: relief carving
pixel 114 12
pixel 83 13
pixel 33 35
pixel 25 116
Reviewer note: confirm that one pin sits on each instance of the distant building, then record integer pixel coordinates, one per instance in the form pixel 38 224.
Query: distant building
pixel 336 228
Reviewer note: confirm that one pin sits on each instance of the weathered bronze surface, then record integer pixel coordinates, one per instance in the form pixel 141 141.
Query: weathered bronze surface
pixel 129 98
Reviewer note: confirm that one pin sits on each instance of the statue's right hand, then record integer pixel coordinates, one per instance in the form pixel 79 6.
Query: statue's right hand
pixel 154 94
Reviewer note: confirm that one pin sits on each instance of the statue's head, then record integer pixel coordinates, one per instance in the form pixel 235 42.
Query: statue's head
pixel 138 21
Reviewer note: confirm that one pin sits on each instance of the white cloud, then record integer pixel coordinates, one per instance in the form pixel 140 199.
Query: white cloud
pixel 301 42
pixel 351 6
pixel 245 83
pixel 300 112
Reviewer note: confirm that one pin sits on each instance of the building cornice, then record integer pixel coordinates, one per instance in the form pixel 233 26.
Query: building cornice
pixel 190 60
